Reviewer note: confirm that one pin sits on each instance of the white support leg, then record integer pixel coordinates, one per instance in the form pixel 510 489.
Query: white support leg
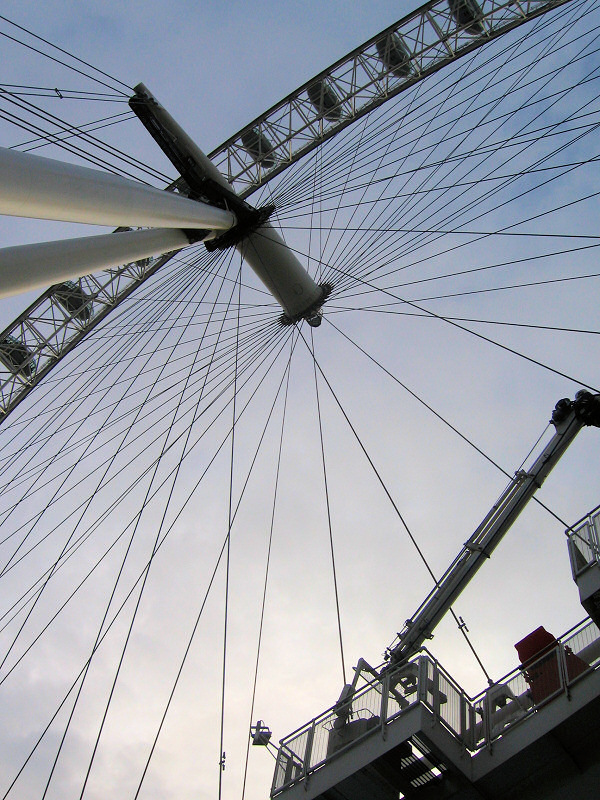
pixel 280 271
pixel 42 188
pixel 35 266
pixel 265 251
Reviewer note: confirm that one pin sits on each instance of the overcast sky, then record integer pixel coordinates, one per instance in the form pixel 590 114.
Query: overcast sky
pixel 216 67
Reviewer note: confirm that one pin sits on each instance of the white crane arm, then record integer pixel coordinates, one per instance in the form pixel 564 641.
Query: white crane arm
pixel 568 418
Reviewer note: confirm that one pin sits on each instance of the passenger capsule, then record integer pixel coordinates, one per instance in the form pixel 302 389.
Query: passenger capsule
pixel 325 100
pixel 74 300
pixel 17 357
pixel 259 147
pixel 467 13
pixel 394 55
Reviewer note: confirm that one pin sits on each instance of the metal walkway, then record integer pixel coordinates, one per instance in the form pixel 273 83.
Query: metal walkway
pixel 415 733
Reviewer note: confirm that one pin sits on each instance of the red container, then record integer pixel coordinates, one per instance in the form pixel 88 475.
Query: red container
pixel 539 656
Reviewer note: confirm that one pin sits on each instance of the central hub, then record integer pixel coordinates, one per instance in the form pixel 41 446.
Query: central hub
pixel 257 241
pixel 247 222
pixel 313 314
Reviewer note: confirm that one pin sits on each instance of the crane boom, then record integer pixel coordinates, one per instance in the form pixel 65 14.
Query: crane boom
pixel 568 418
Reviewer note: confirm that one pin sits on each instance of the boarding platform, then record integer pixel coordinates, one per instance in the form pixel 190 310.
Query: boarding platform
pixel 416 733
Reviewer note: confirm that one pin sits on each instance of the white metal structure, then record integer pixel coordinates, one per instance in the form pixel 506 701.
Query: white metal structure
pixel 45 189
pixel 413 705
pixel 31 266
pixel 568 419
pixel 261 247
pixel 128 439
pixel 418 732
pixel 390 63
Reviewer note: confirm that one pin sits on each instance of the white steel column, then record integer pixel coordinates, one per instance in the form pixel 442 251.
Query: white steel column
pixel 280 271
pixel 34 266
pixel 42 188
pixel 264 251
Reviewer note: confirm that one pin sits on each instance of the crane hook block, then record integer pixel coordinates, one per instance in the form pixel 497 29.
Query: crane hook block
pixel 586 407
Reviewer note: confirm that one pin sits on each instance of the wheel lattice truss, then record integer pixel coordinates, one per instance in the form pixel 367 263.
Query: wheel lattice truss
pixel 395 59
pixel 53 325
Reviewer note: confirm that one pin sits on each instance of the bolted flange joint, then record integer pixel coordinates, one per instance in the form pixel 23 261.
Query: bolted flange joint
pixel 248 220
pixel 313 314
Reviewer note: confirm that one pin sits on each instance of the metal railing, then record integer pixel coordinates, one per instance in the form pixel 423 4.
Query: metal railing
pixel 474 722
pixel 534 684
pixel 339 727
pixel 376 705
pixel 584 542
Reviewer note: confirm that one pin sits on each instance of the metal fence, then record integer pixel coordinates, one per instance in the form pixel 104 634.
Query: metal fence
pixel 376 704
pixel 584 543
pixel 475 722
pixel 535 683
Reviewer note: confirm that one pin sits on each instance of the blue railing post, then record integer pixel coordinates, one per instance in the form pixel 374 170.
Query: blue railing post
pixel 308 751
pixel 385 691
pixel 423 679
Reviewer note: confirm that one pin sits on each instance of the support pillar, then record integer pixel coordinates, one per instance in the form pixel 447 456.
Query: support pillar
pixel 264 250
pixel 42 188
pixel 35 266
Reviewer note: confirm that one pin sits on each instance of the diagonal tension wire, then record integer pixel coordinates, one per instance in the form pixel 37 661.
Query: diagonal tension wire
pixel 228 545
pixel 454 324
pixel 121 445
pixel 326 488
pixel 122 606
pixel 284 380
pixel 377 474
pixel 268 561
pixel 67 53
pixel 85 671
pixel 384 309
pixel 85 507
pixel 162 539
pixel 66 131
pixel 139 579
pixel 442 419
pixel 140 594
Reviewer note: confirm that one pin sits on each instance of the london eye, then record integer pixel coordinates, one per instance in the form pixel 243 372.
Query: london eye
pixel 211 507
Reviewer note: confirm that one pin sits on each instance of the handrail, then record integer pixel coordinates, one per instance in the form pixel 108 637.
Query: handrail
pixel 563 639
pixel 474 721
pixel 571 528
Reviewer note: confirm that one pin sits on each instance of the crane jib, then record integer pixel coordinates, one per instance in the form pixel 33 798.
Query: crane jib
pixel 568 418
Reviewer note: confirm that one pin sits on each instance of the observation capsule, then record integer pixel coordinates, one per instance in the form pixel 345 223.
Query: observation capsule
pixel 259 147
pixel 74 300
pixel 394 55
pixel 17 357
pixel 325 100
pixel 467 13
